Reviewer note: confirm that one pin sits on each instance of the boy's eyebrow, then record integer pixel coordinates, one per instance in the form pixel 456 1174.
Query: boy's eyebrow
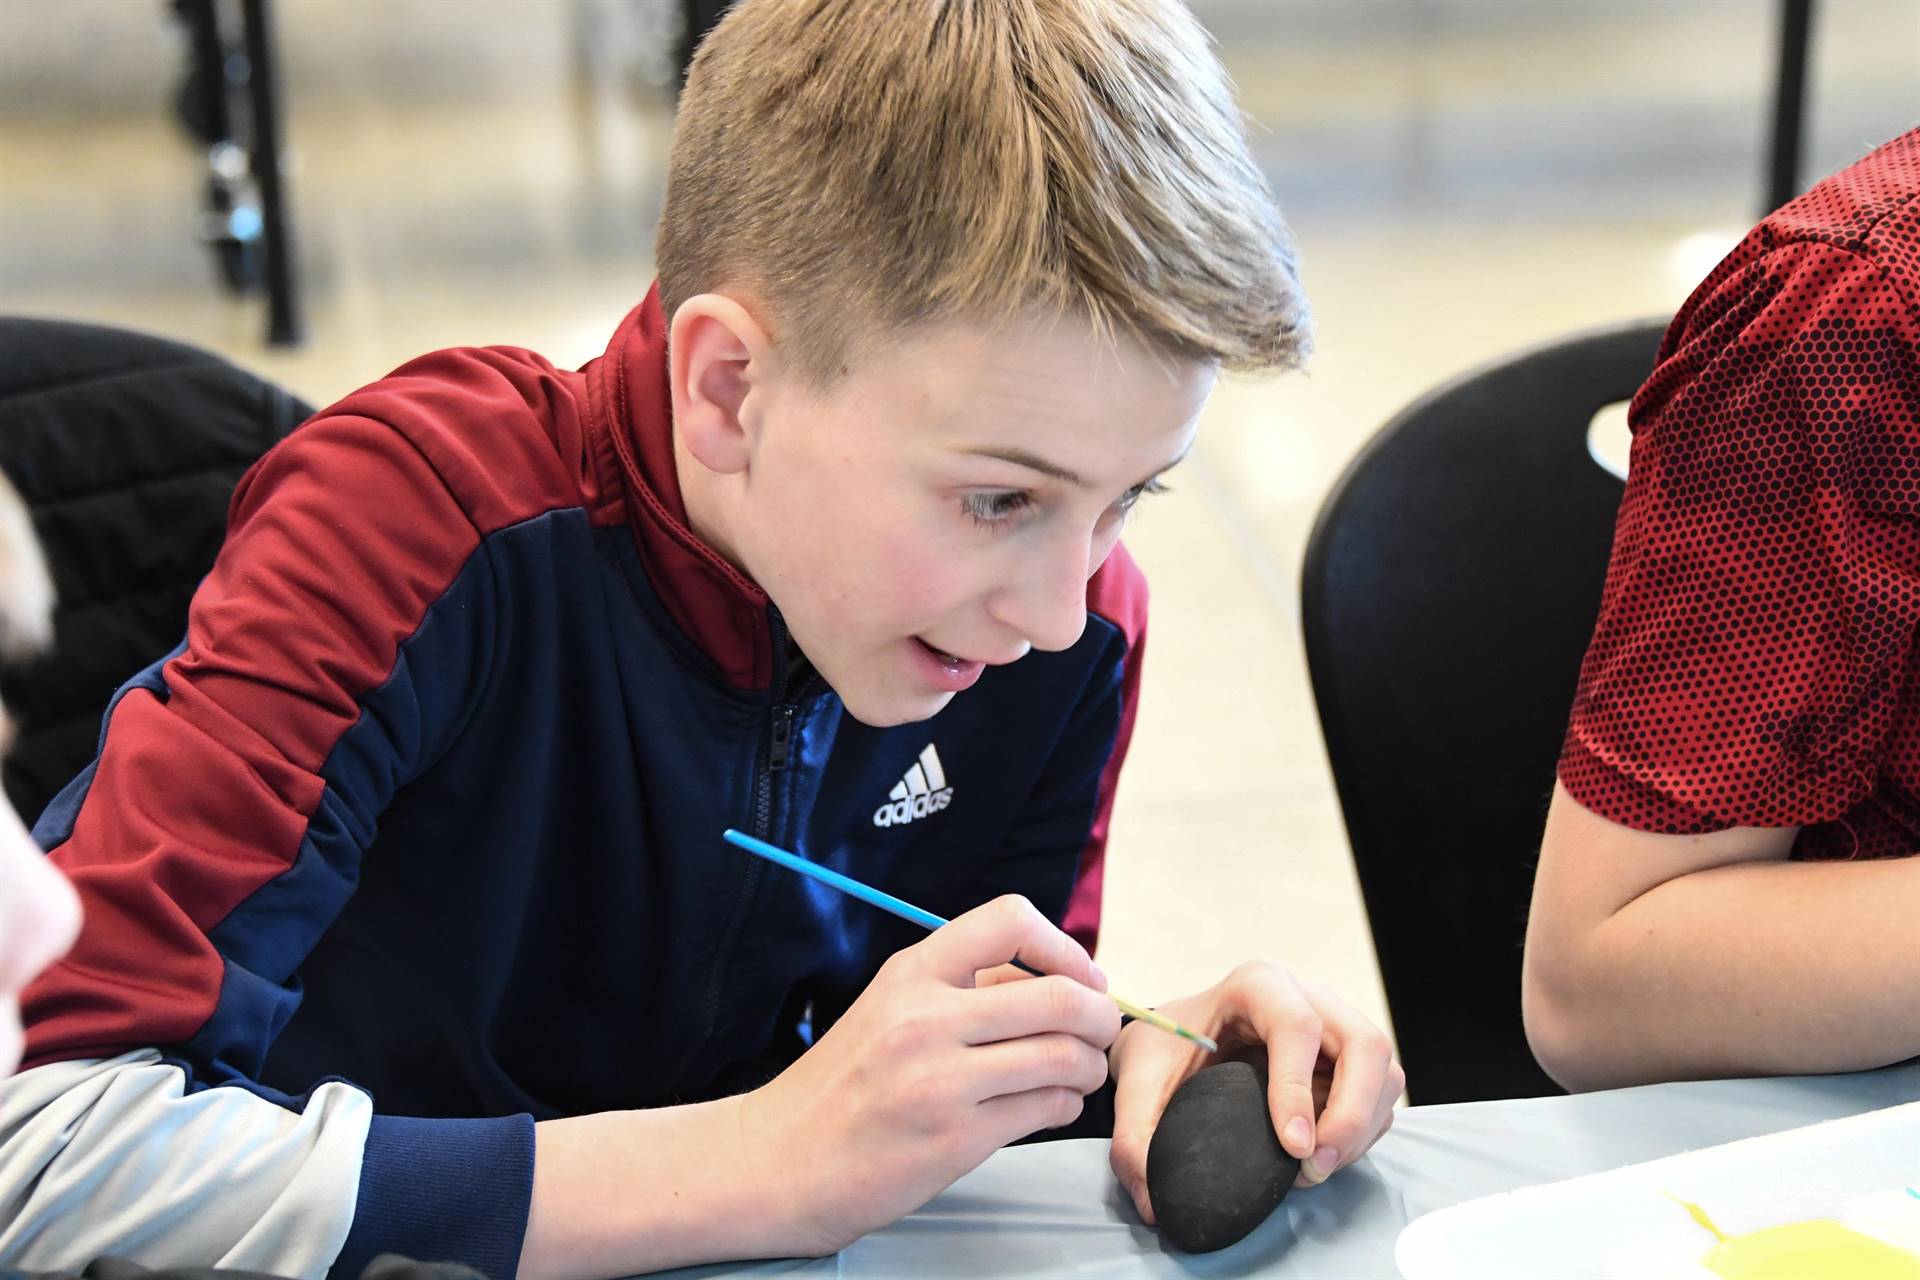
pixel 1033 462
pixel 1021 458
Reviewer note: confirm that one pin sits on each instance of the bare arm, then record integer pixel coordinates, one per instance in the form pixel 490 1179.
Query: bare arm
pixel 629 1191
pixel 1656 957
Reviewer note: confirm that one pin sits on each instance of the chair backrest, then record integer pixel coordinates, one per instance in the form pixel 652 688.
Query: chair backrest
pixel 1450 588
pixel 126 448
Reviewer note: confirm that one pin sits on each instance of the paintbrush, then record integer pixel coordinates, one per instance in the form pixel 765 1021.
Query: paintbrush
pixel 927 920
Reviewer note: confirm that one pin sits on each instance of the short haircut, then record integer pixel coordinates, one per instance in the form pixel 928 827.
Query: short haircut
pixel 865 166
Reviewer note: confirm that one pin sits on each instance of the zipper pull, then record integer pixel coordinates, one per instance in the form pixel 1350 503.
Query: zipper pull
pixel 782 736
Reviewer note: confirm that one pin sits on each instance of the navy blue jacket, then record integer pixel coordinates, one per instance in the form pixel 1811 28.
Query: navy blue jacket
pixel 429 798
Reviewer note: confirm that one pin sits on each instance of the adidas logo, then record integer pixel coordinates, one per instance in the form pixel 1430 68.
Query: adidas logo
pixel 923 791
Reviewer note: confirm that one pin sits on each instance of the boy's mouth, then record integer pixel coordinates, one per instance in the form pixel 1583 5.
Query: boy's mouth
pixel 946 659
pixel 949 671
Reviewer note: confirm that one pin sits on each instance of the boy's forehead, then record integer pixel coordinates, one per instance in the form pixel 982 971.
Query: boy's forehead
pixel 1033 340
pixel 1092 417
pixel 968 377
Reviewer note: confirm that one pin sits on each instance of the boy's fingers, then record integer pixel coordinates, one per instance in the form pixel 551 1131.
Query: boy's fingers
pixel 1360 1099
pixel 1142 1202
pixel 1005 929
pixel 1014 973
pixel 1285 1021
pixel 1011 1010
pixel 1140 1095
pixel 1016 1115
pixel 1036 1062
pixel 1000 973
pixel 1127 1156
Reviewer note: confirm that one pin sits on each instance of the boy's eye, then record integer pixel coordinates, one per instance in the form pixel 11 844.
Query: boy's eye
pixel 1138 491
pixel 989 509
pixel 995 509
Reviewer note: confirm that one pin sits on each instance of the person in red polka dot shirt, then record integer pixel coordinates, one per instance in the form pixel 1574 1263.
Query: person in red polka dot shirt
pixel 1725 885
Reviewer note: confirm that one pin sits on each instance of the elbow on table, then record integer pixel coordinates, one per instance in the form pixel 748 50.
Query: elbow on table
pixel 1570 1037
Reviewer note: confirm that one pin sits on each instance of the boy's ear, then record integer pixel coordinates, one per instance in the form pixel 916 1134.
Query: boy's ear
pixel 716 351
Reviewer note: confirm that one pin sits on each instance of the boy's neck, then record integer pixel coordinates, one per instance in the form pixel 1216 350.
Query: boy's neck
pixel 704 506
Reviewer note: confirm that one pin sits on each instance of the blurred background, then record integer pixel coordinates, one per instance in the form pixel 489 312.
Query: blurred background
pixel 1465 177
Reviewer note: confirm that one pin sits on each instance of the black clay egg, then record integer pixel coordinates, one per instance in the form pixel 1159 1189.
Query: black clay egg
pixel 1215 1168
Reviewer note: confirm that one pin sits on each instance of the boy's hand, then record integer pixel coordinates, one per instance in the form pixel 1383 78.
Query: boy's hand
pixel 1332 1078
pixel 926 1074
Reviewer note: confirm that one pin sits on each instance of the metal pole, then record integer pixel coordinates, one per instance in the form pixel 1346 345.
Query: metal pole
pixel 283 324
pixel 1789 104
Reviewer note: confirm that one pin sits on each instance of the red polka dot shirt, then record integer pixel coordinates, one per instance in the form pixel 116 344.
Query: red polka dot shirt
pixel 1754 662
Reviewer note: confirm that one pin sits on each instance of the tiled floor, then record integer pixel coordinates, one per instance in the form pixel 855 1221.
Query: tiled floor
pixel 1465 176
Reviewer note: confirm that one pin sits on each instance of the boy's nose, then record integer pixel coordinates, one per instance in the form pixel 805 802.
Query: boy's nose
pixel 1047 600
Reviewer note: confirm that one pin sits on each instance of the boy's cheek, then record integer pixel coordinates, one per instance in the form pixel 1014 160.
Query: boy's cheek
pixel 929 580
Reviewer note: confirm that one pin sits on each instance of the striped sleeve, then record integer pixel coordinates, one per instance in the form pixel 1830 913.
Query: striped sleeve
pixel 329 658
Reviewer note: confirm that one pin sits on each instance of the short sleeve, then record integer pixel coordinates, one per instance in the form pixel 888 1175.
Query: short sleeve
pixel 1758 616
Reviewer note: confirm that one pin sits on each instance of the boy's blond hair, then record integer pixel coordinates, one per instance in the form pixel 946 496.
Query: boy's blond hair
pixel 867 165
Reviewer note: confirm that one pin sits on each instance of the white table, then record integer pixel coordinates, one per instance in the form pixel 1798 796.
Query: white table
pixel 1053 1209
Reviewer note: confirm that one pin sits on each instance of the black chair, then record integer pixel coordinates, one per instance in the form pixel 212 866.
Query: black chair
pixel 1450 588
pixel 697 18
pixel 126 448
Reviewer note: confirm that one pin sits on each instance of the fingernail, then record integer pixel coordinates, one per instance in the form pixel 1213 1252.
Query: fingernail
pixel 1298 1136
pixel 1098 975
pixel 1322 1164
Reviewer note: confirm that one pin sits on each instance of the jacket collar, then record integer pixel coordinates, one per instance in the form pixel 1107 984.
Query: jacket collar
pixel 631 410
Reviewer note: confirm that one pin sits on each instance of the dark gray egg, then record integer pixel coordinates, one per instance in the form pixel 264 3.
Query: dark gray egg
pixel 1215 1167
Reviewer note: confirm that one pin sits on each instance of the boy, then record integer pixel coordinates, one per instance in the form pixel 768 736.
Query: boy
pixel 823 548
pixel 1725 885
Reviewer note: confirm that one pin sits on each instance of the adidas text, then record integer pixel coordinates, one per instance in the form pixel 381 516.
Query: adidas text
pixel 922 791
pixel 914 807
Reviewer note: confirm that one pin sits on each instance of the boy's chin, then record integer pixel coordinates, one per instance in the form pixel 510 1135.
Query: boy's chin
pixel 884 710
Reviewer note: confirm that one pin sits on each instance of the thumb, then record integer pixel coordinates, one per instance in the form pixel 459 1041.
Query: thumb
pixel 1290 1098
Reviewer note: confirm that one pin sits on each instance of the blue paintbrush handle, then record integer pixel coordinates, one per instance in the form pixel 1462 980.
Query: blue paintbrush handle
pixel 828 876
pixel 926 920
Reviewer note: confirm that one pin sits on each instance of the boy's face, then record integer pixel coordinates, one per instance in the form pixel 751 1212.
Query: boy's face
pixel 940 506
pixel 39 914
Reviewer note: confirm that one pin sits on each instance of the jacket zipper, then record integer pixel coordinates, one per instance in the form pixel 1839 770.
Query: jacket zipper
pixel 770 758
pixel 779 733
pixel 782 735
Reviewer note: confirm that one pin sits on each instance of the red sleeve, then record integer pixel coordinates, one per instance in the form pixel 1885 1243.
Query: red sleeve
pixel 1760 606
pixel 1117 593
pixel 210 780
